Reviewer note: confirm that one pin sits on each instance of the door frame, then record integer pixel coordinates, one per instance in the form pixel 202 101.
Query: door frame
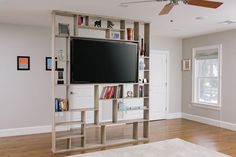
pixel 167 53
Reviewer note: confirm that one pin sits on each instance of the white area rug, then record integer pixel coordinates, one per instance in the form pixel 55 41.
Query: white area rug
pixel 169 148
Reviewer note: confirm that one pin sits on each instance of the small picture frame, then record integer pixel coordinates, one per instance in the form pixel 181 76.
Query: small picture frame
pixel 48 63
pixel 64 29
pixel 23 63
pixel 115 35
pixel 186 65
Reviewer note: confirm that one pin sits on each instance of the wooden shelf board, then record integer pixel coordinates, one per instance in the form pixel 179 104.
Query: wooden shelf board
pixel 145 108
pixel 78 110
pixel 62 84
pixel 122 98
pixel 69 137
pixel 91 125
pixel 100 28
pixel 68 123
pixel 110 143
pixel 64 60
pixel 62 36
pixel 123 122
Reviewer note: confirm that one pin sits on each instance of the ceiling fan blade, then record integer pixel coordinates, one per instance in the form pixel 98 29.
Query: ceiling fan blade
pixel 167 9
pixel 205 3
pixel 142 1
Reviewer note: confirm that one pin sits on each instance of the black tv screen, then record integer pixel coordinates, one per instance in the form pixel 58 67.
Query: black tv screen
pixel 103 61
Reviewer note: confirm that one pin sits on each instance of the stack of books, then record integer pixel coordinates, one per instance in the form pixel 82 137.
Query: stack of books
pixel 61 105
pixel 110 92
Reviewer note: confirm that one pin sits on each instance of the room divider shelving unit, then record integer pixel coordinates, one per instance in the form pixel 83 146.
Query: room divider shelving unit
pixel 67 132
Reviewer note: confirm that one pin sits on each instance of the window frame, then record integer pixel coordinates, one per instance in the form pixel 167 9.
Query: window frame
pixel 194 79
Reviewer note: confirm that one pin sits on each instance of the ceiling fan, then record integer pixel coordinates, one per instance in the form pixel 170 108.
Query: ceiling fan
pixel 170 6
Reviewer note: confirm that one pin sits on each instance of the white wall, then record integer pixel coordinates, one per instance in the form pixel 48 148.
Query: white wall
pixel 25 95
pixel 174 46
pixel 227 112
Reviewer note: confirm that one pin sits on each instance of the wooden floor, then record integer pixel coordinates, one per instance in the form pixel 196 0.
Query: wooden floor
pixel 214 138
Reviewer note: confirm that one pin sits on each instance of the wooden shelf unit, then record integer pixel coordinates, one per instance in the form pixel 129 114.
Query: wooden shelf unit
pixel 71 134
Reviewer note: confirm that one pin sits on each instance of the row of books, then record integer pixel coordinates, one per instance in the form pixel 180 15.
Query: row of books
pixel 61 105
pixel 110 92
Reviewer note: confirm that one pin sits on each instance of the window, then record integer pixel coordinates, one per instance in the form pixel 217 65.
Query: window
pixel 206 75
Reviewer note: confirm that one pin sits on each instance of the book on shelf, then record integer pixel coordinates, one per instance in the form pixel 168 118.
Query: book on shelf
pixel 61 105
pixel 110 92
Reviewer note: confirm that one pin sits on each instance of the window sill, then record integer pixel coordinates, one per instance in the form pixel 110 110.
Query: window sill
pixel 206 106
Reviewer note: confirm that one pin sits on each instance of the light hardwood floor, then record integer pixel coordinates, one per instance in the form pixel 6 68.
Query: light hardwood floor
pixel 214 138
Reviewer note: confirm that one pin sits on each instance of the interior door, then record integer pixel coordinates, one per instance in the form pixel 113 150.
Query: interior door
pixel 158 84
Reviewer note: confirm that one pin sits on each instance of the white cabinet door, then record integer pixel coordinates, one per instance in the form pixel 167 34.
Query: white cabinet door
pixel 82 97
pixel 158 85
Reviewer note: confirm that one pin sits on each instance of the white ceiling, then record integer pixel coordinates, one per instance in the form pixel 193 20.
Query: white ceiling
pixel 37 12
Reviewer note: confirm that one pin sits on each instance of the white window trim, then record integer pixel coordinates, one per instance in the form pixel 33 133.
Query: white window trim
pixel 207 105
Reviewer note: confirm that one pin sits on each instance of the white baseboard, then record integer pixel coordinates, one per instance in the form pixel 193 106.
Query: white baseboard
pixel 209 121
pixel 174 115
pixel 48 128
pixel 25 131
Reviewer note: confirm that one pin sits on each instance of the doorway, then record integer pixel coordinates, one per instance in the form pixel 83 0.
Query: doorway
pixel 159 84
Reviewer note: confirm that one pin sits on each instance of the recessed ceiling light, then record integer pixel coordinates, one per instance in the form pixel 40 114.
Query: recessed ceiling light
pixel 227 22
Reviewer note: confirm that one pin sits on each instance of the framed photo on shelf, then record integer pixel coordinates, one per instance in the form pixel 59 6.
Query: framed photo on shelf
pixel 23 63
pixel 64 29
pixel 48 63
pixel 186 65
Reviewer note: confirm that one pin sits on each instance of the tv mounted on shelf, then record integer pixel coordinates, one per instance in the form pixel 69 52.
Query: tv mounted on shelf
pixel 103 61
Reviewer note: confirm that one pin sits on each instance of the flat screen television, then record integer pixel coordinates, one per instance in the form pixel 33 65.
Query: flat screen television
pixel 103 61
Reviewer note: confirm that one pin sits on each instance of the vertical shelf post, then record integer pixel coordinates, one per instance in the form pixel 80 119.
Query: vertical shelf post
pixel 136 31
pixel 135 130
pixel 103 134
pixel 83 129
pixel 122 26
pixel 96 104
pixel 114 111
pixel 53 82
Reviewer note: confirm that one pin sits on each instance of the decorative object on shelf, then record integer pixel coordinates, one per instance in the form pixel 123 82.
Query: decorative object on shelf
pixel 129 94
pixel 141 64
pixel 60 55
pixel 48 63
pixel 124 107
pixel 64 29
pixel 142 49
pixel 186 65
pixel 140 80
pixel 141 91
pixel 110 24
pixel 130 34
pixel 145 80
pixel 64 105
pixel 80 20
pixel 98 23
pixel 115 35
pixel 23 63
